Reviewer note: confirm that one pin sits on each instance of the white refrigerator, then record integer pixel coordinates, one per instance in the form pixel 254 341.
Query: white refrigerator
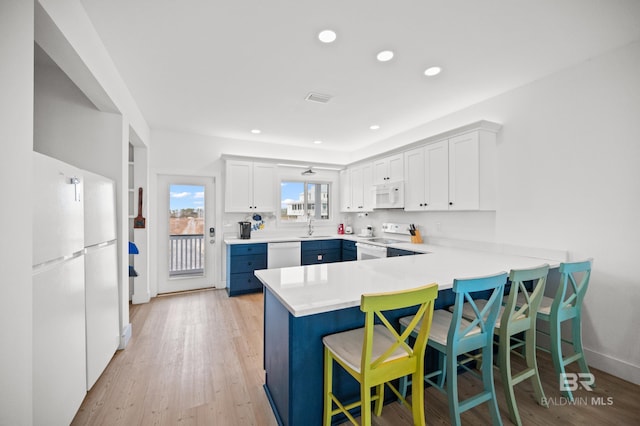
pixel 101 274
pixel 74 277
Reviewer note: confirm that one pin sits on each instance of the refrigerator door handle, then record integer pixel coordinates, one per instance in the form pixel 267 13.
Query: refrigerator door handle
pixel 75 182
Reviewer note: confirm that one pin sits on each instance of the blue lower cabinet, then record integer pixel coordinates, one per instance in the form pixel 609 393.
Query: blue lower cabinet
pixel 242 261
pixel 349 251
pixel 320 251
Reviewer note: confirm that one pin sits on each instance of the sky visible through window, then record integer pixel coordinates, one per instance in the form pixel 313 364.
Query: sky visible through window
pixel 186 196
pixel 290 191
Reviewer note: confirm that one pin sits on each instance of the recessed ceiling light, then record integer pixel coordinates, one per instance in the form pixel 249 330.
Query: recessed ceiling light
pixel 327 36
pixel 374 127
pixel 256 131
pixel 431 71
pixel 385 55
pixel 317 142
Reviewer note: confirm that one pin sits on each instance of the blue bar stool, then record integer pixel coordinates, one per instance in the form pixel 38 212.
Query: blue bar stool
pixel 455 337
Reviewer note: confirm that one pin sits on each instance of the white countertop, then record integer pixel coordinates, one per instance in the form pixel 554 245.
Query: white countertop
pixel 313 289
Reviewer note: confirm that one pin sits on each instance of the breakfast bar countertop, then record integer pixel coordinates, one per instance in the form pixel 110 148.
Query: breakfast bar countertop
pixel 313 289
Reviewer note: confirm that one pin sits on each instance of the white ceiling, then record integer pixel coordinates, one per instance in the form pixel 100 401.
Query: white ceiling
pixel 222 68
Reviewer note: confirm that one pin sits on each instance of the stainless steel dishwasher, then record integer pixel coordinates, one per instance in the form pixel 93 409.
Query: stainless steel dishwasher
pixel 281 255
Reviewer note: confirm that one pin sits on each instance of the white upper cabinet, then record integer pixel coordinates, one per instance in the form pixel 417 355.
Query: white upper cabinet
pixel 388 169
pixel 472 171
pixel 355 186
pixel 414 181
pixel 453 174
pixel 427 178
pixel 367 187
pixel 250 187
pixel 437 176
pixel 357 196
pixel 346 204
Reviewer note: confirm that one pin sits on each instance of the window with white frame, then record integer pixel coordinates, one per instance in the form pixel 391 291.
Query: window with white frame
pixel 301 200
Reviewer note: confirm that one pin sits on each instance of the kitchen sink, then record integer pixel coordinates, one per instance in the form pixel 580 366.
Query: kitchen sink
pixel 316 236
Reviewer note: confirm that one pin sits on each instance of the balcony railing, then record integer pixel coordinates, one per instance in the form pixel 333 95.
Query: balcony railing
pixel 186 254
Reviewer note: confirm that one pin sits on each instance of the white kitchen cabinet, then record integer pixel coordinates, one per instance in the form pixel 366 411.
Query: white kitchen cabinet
pixel 427 177
pixel 367 187
pixel 357 196
pixel 414 180
pixel 388 169
pixel 472 171
pixel 453 174
pixel 355 184
pixel 250 187
pixel 346 204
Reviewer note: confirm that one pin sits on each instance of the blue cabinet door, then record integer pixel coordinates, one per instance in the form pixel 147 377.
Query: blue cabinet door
pixel 321 251
pixel 349 251
pixel 242 261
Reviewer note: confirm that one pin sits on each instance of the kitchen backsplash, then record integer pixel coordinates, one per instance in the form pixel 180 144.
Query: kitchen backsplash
pixel 479 226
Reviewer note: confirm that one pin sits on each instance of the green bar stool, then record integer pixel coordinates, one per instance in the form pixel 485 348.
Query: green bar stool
pixel 519 318
pixel 567 306
pixel 376 354
pixel 455 338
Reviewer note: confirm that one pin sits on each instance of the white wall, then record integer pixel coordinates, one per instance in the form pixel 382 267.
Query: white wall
pixel 568 153
pixel 16 133
pixel 67 126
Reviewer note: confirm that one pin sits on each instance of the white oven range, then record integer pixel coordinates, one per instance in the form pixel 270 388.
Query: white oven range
pixel 374 248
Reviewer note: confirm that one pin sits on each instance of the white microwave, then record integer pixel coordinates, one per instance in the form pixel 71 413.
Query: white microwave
pixel 388 195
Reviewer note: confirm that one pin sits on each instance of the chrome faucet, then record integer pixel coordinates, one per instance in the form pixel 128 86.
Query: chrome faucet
pixel 310 225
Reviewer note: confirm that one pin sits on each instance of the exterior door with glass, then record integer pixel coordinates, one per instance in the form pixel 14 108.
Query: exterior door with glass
pixel 186 233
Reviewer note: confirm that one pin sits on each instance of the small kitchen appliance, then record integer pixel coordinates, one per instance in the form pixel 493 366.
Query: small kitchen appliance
pixel 366 232
pixel 341 229
pixel 348 229
pixel 245 230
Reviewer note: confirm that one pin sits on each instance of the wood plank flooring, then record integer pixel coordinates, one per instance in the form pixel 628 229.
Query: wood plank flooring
pixel 196 359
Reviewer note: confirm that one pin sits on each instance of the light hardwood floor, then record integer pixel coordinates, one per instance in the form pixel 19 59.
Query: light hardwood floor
pixel 196 359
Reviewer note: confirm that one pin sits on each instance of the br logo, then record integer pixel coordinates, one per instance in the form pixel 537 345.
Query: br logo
pixel 573 381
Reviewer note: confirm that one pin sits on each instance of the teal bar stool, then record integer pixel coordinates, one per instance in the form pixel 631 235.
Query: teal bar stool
pixel 376 354
pixel 455 338
pixel 567 306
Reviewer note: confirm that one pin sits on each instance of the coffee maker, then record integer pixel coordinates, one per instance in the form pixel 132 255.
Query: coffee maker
pixel 245 230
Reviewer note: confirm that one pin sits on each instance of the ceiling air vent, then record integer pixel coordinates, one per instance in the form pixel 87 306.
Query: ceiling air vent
pixel 318 97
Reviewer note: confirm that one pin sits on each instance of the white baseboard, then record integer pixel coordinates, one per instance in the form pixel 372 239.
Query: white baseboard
pixel 615 367
pixel 140 298
pixel 125 336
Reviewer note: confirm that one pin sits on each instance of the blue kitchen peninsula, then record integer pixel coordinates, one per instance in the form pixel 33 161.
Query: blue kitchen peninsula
pixel 304 303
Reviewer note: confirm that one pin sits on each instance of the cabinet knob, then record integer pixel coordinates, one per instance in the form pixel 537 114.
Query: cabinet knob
pixel 421 204
pixel 450 203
